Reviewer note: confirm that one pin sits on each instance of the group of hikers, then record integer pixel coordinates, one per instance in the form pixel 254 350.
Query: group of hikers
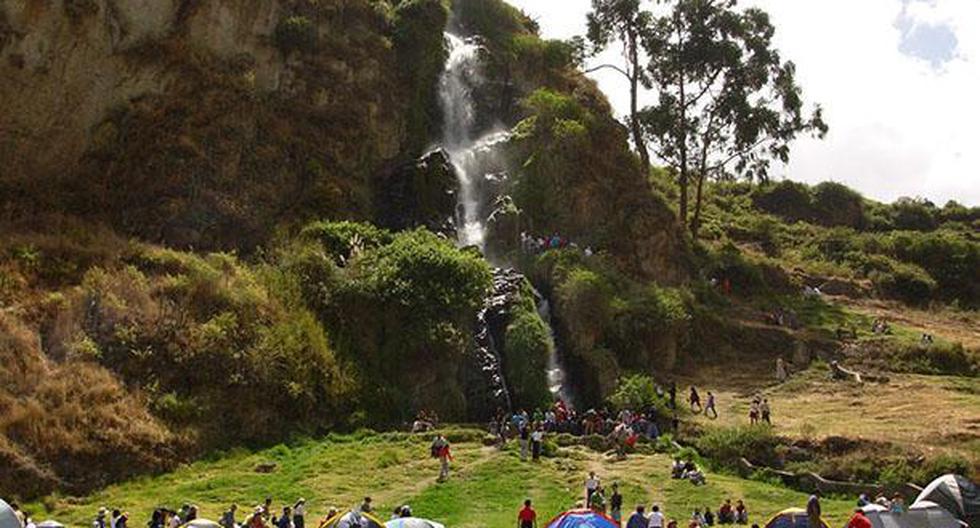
pixel 533 245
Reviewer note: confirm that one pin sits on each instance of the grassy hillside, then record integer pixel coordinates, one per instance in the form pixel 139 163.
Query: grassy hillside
pixel 485 490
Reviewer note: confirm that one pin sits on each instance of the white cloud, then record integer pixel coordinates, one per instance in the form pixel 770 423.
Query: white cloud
pixel 899 125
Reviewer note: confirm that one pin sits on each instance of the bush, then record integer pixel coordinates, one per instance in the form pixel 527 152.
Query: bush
pixel 344 239
pixel 725 446
pixel 528 345
pixel 787 199
pixel 835 204
pixel 913 214
pixel 906 282
pixel 296 33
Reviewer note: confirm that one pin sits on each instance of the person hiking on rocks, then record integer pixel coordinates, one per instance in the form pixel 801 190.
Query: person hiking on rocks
pixel 765 411
pixel 527 517
pixel 709 406
pixel 591 485
pixel 695 400
pixel 440 450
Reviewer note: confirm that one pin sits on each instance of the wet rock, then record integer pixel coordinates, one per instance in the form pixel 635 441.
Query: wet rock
pixel 420 193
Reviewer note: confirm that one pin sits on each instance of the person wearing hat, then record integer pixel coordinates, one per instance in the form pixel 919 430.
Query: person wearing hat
pixel 299 513
pixel 99 521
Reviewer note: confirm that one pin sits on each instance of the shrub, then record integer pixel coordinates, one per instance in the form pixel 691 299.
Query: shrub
pixel 835 204
pixel 528 344
pixel 787 199
pixel 344 239
pixel 914 214
pixel 296 33
pixel 726 446
pixel 907 282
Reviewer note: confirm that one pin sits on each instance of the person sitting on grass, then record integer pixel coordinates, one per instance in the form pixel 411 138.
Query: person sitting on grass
pixel 741 513
pixel 726 514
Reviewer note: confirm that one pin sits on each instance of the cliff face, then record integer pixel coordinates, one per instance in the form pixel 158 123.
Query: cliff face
pixel 205 122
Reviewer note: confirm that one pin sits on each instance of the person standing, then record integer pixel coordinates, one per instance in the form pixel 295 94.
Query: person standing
pixel 638 519
pixel 286 520
pixel 440 450
pixel 299 513
pixel 99 521
pixel 673 395
pixel 656 518
pixel 527 517
pixel 537 438
pixel 591 485
pixel 813 511
pixel 524 439
pixel 616 504
pixel 765 411
pixel 228 518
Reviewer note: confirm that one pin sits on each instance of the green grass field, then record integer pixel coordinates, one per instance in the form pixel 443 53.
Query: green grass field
pixel 485 490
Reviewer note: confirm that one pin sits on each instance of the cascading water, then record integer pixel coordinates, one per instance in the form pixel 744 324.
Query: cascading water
pixel 469 157
pixel 462 73
pixel 556 373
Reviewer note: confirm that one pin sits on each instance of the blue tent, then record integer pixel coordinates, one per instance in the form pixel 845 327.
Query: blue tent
pixel 582 519
pixel 792 518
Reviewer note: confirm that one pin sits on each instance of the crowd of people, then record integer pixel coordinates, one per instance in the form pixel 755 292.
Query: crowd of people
pixel 596 500
pixel 533 245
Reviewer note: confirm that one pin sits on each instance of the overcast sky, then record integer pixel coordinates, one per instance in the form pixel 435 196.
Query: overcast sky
pixel 899 81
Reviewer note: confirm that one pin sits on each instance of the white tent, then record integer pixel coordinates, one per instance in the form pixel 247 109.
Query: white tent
pixel 920 515
pixel 8 519
pixel 957 495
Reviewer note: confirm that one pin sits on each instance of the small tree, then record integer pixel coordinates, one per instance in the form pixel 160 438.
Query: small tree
pixel 623 21
pixel 727 102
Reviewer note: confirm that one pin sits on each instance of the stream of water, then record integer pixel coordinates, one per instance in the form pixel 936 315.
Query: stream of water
pixel 468 155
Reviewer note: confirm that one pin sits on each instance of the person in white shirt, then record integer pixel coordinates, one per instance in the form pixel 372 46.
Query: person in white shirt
pixel 591 484
pixel 656 518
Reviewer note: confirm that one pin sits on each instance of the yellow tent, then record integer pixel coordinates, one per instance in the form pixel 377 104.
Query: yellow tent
pixel 353 519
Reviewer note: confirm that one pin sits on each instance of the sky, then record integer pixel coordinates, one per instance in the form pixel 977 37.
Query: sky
pixel 899 81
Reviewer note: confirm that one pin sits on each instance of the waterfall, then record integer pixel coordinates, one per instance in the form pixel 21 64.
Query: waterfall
pixel 456 85
pixel 556 373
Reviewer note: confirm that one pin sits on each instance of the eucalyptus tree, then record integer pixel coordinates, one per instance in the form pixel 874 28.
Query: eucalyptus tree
pixel 727 103
pixel 624 22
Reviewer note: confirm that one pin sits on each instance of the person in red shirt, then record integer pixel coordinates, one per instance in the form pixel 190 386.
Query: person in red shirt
pixel 527 518
pixel 859 520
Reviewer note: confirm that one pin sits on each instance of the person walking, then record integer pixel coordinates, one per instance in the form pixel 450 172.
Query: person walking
pixel 638 519
pixel 765 411
pixel 527 517
pixel 524 438
pixel 440 450
pixel 709 406
pixel 695 400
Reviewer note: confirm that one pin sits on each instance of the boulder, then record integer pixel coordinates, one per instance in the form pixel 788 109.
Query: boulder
pixel 419 193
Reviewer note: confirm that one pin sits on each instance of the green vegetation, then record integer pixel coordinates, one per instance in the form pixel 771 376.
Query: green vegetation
pixel 486 487
pixel 528 344
pixel 296 33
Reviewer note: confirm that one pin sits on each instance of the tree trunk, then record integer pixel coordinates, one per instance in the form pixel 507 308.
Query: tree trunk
pixel 681 126
pixel 641 147
pixel 702 174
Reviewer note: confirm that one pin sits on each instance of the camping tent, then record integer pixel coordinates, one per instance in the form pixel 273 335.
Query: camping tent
pixel 50 524
pixel 792 518
pixel 353 519
pixel 921 515
pixel 957 494
pixel 412 522
pixel 8 519
pixel 201 523
pixel 582 519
